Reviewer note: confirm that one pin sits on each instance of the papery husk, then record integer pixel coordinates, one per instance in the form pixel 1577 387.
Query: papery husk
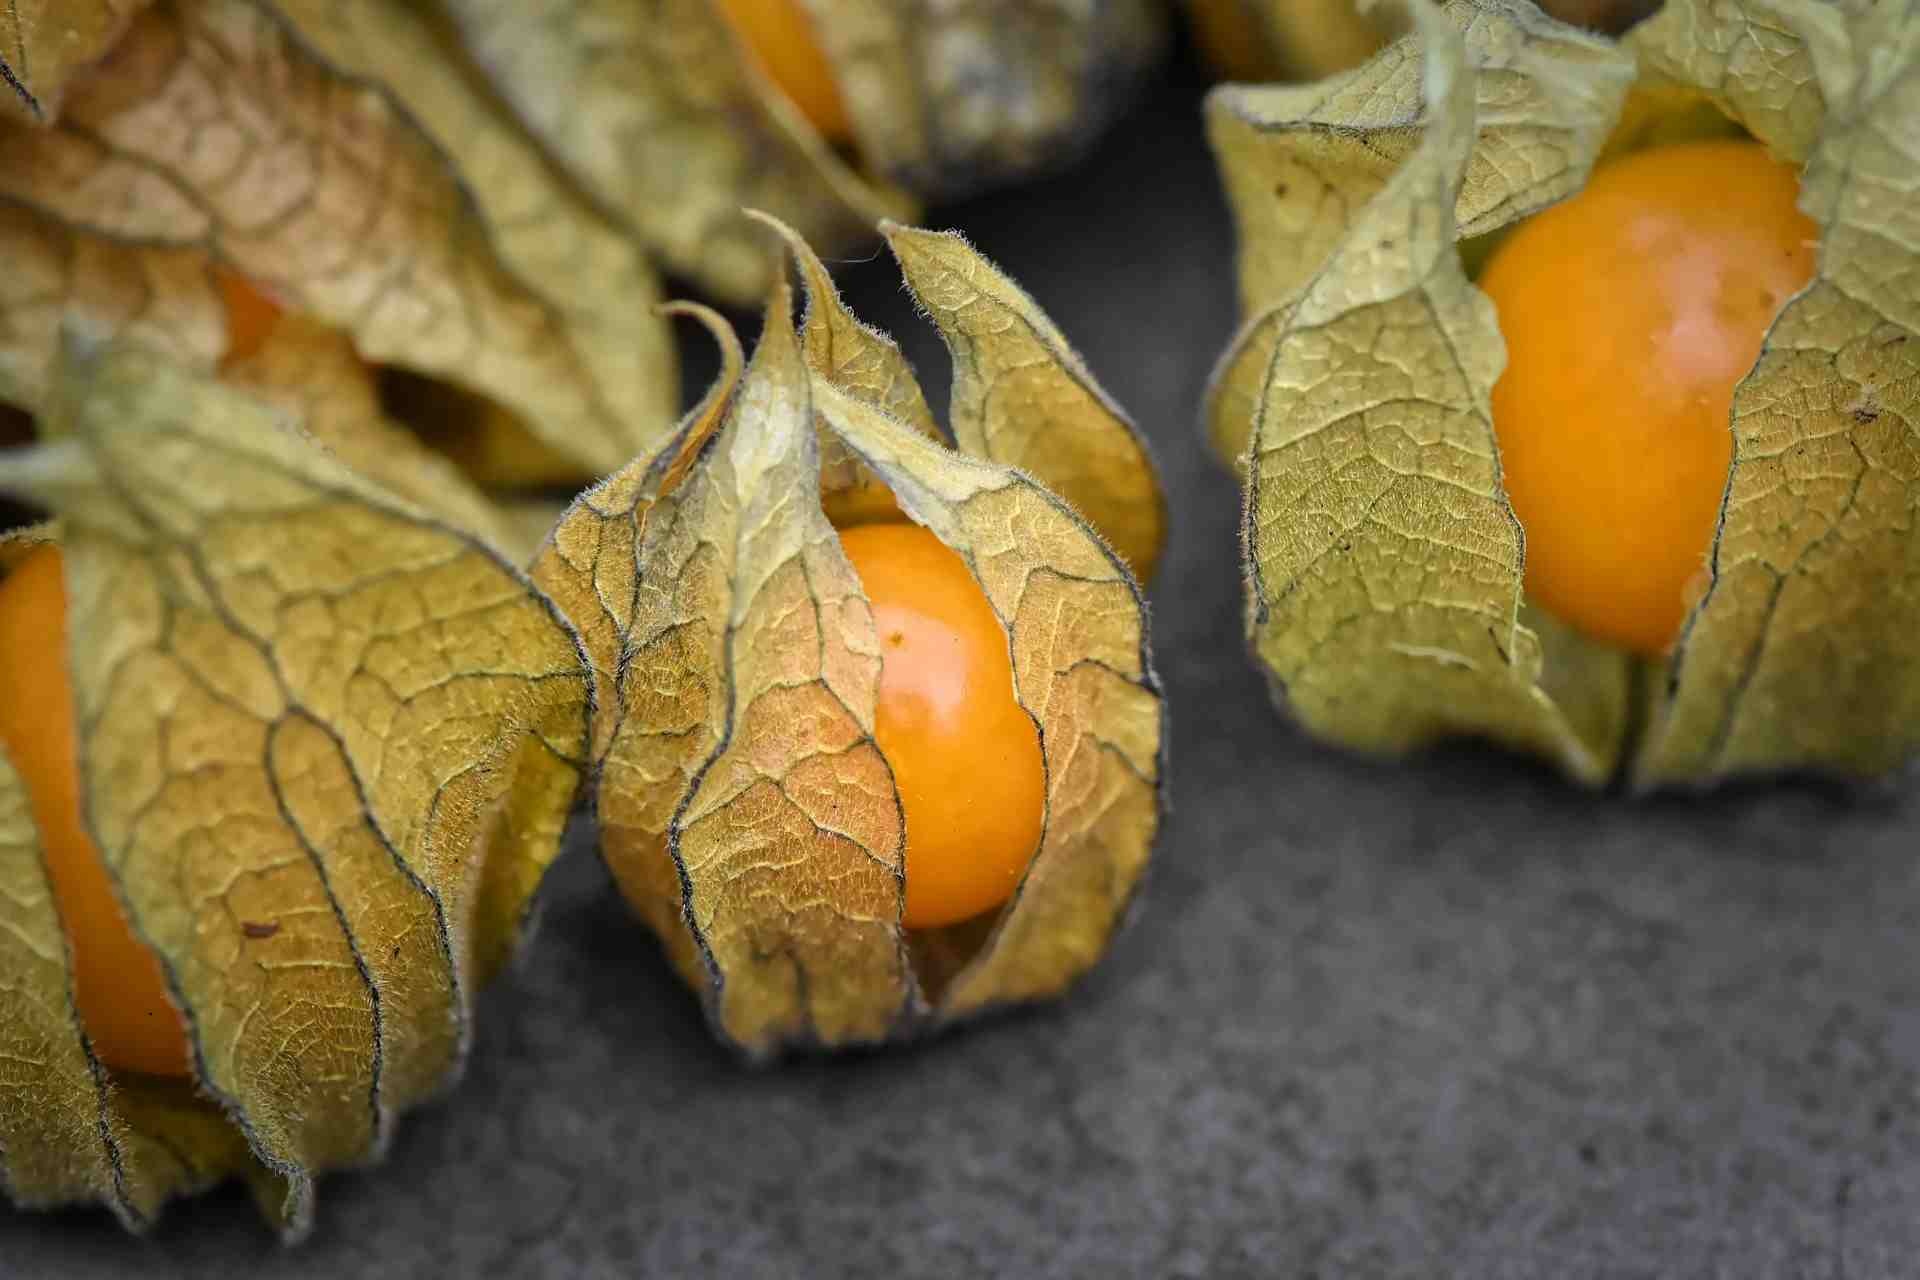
pixel 339 156
pixel 661 112
pixel 63 284
pixel 745 809
pixel 657 110
pixel 1384 561
pixel 327 743
pixel 45 43
pixel 1805 651
pixel 71 1132
pixel 657 113
pixel 1023 398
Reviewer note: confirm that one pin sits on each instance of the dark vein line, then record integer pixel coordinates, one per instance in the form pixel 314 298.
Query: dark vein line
pixel 26 96
pixel 316 858
pixel 20 56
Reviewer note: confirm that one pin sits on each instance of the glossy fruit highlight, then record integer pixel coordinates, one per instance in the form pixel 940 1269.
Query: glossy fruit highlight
pixel 1630 311
pixel 965 755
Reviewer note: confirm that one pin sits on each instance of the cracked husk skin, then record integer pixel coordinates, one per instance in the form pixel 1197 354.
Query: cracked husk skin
pixel 327 745
pixel 415 220
pixel 745 809
pixel 482 193
pixel 1384 560
pixel 312 598
pixel 662 113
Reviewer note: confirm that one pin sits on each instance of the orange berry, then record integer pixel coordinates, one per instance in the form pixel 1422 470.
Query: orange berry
pixel 965 756
pixel 117 981
pixel 251 315
pixel 780 35
pixel 869 503
pixel 1629 312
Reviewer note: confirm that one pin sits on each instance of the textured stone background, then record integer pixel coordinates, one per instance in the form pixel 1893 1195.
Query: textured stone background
pixel 1445 1018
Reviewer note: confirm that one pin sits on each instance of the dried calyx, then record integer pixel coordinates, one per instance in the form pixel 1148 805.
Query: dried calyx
pixel 299 294
pixel 668 118
pixel 748 805
pixel 322 748
pixel 1386 562
pixel 346 202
